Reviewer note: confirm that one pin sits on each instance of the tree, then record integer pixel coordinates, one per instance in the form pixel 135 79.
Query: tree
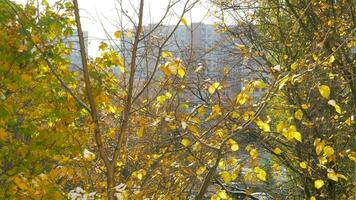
pixel 313 113
pixel 139 121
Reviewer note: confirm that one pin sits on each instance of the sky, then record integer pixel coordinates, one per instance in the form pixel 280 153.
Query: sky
pixel 96 14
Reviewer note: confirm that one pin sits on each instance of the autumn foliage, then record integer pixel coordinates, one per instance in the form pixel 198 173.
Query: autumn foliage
pixel 97 131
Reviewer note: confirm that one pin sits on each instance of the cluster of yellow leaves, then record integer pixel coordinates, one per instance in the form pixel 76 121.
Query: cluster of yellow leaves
pixel 233 145
pixel 166 54
pixel 252 151
pixel 139 174
pixel 162 98
pixel 221 195
pixel 200 170
pixel 3 134
pixel 290 132
pixel 260 173
pixel 264 126
pixel 215 86
pixel 228 177
pixel 242 97
pixel 173 67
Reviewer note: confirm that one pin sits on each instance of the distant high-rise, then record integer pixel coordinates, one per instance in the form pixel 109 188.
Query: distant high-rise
pixel 203 45
pixel 210 49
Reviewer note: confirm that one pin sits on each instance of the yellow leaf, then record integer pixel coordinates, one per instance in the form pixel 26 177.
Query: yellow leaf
pixel 165 70
pixel 315 57
pixel 318 184
pixel 22 48
pixel 235 115
pixel 26 77
pixel 260 173
pixel 241 98
pixel 333 176
pixel 166 54
pixel 216 109
pixel 292 133
pixel 248 115
pixel 111 109
pixel 341 176
pixel 36 39
pixel 263 125
pixel 3 134
pixel 298 114
pixel 119 163
pixel 201 170
pixel 193 129
pixel 223 195
pixel 323 160
pixel 220 132
pixel 103 46
pixel 122 68
pixel 349 121
pixel 312 198
pixel 215 86
pixel 337 107
pixel 201 110
pixel 280 127
pixel 222 165
pixel 319 146
pixel 331 59
pixel 297 136
pixel 352 156
pixel 161 98
pixel 294 66
pixel 140 174
pixel 275 167
pixel 303 165
pixel 234 147
pixel 226 176
pixel 184 21
pixel 328 151
pixel 324 91
pixel 277 151
pixel 140 132
pixel 20 183
pixel 168 95
pixel 181 72
pixel 117 34
pixel 259 84
pixel 254 153
pixel 306 106
pixel 185 142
